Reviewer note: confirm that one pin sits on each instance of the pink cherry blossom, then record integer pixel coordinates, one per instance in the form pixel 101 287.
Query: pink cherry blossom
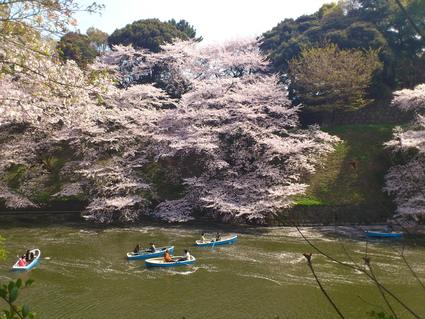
pixel 229 135
pixel 406 180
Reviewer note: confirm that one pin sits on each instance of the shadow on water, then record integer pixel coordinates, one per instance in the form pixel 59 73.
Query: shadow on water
pixel 10 220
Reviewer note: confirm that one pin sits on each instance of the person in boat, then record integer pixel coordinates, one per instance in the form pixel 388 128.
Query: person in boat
pixel 167 256
pixel 27 256
pixel 32 256
pixel 217 237
pixel 203 238
pixel 136 249
pixel 389 228
pixel 151 248
pixel 186 256
pixel 22 262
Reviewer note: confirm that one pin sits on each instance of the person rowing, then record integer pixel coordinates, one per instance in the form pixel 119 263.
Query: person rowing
pixel 186 256
pixel 136 249
pixel 167 256
pixel 151 248
pixel 204 240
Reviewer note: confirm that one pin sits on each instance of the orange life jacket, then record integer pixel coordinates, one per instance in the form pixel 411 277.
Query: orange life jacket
pixel 167 257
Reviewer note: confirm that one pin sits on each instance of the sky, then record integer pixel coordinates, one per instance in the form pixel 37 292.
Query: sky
pixel 215 21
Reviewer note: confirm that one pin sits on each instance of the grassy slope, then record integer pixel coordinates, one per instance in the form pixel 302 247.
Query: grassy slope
pixel 346 191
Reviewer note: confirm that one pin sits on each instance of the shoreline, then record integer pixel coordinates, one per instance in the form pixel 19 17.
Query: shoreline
pixel 146 219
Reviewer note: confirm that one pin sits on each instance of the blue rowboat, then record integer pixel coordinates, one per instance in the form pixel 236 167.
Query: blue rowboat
pixel 378 234
pixel 31 265
pixel 160 262
pixel 223 241
pixel 145 254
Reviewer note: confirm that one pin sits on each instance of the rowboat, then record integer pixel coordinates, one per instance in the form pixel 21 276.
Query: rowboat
pixel 159 252
pixel 378 234
pixel 160 262
pixel 32 264
pixel 223 241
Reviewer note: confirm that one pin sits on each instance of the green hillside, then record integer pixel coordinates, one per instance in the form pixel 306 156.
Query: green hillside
pixel 349 185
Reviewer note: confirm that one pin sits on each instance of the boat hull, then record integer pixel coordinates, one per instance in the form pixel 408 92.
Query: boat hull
pixel 159 253
pixel 31 265
pixel 376 234
pixel 159 262
pixel 225 241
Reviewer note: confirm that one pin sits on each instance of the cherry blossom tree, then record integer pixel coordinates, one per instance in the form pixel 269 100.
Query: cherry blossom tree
pixel 406 180
pixel 236 122
pixel 24 27
pixel 212 117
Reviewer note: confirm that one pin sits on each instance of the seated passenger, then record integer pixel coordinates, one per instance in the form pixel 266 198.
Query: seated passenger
pixel 22 262
pixel 167 256
pixel 27 255
pixel 203 238
pixel 32 256
pixel 136 249
pixel 217 236
pixel 151 248
pixel 186 256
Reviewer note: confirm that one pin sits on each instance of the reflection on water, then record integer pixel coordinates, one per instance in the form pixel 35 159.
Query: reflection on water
pixel 83 273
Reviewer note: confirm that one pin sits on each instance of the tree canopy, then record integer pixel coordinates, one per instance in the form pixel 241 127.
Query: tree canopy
pixel 24 50
pixel 357 24
pixel 185 27
pixel 406 179
pixel 151 34
pixel 77 47
pixel 98 39
pixel 136 151
pixel 332 76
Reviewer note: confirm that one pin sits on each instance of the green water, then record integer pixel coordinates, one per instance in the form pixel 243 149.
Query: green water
pixel 83 273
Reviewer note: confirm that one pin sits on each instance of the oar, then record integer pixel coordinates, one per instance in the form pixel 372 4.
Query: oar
pixel 213 245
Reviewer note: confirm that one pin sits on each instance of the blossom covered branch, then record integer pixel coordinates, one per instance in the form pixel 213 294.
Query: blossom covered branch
pixel 406 180
pixel 189 130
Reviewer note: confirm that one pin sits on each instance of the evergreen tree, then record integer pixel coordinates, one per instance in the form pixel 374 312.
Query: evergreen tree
pixel 147 34
pixel 77 47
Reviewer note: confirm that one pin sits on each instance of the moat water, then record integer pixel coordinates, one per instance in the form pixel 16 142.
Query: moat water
pixel 83 272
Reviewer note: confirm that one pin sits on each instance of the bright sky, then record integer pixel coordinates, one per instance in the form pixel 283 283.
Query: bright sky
pixel 215 20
